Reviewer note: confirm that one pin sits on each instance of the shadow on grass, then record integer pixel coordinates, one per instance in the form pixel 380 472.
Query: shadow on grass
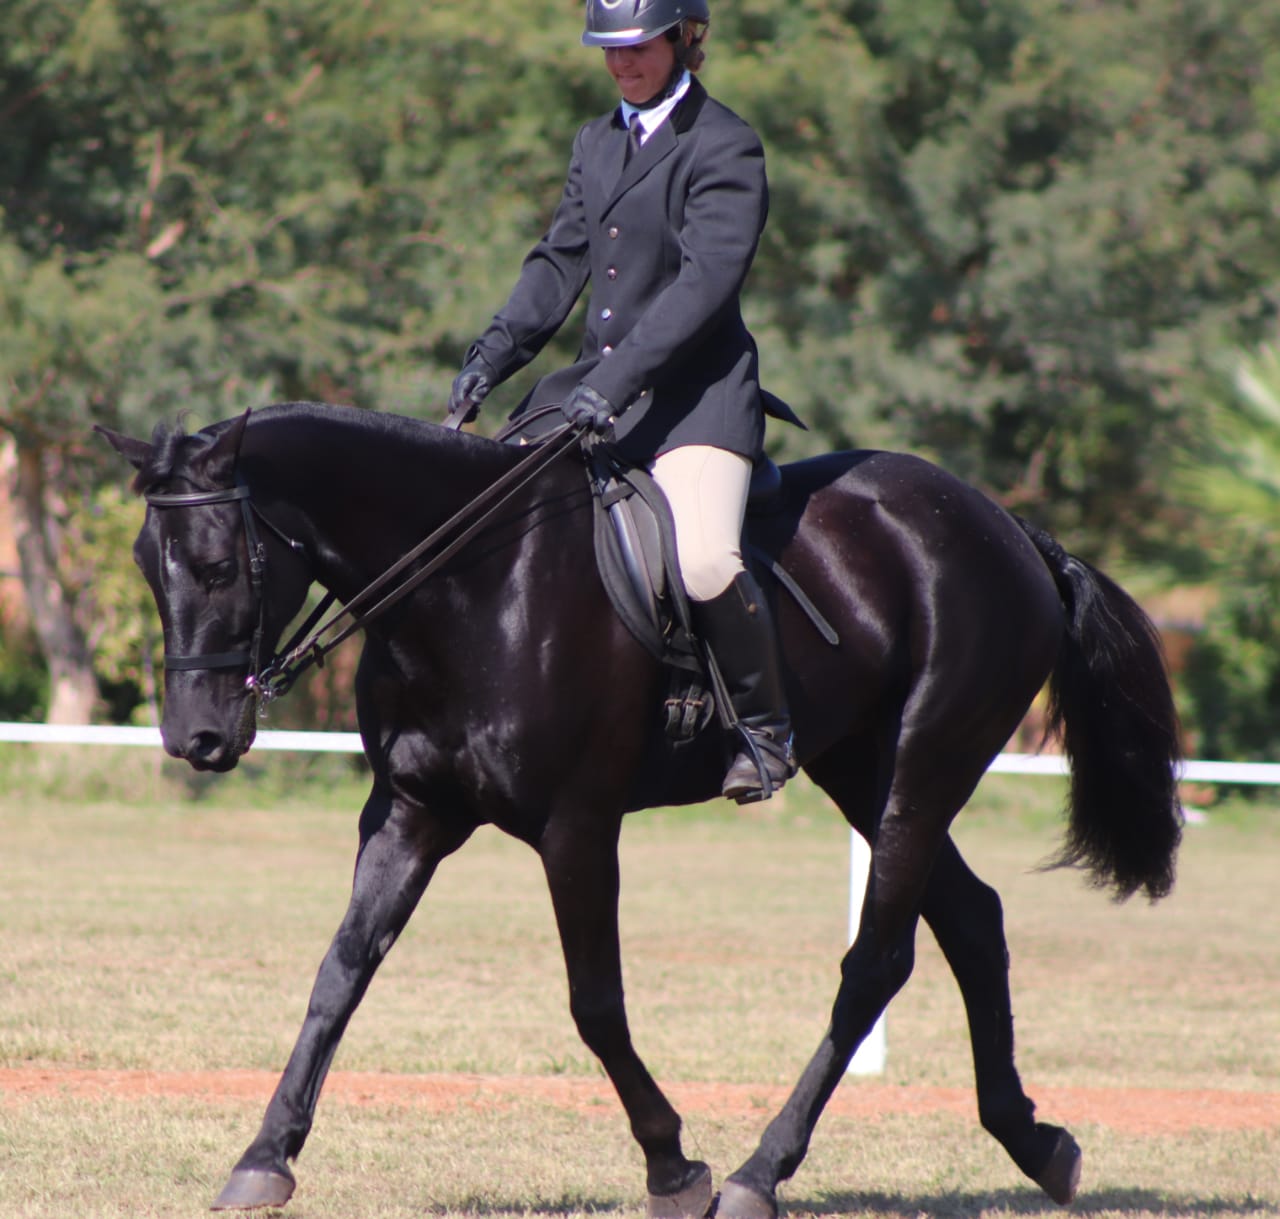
pixel 1092 1205
pixel 1089 1205
pixel 565 1205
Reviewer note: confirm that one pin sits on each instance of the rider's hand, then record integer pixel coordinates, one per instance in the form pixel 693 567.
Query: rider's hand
pixel 471 387
pixel 588 409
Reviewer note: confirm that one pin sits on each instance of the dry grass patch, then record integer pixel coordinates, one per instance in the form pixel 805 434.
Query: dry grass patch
pixel 167 1158
pixel 169 936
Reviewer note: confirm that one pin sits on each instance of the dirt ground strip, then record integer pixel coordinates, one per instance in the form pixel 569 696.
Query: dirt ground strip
pixel 1140 1111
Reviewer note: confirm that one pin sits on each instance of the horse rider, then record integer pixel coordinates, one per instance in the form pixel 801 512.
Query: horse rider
pixel 662 211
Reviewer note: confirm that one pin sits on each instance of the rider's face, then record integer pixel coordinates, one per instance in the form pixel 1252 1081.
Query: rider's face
pixel 642 71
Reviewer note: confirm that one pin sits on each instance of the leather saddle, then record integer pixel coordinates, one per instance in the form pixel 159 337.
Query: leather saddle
pixel 636 558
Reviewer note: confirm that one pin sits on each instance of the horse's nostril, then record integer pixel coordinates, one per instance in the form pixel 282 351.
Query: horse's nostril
pixel 206 747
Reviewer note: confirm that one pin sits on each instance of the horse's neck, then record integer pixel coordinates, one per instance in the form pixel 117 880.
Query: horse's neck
pixel 367 490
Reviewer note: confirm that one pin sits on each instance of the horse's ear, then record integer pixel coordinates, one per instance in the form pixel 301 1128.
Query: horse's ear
pixel 220 460
pixel 136 452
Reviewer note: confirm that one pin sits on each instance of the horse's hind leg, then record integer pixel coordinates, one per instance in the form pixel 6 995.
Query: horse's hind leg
pixel 399 851
pixel 581 864
pixel 967 920
pixel 921 801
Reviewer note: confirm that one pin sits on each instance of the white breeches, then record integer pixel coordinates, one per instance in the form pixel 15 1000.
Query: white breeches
pixel 707 490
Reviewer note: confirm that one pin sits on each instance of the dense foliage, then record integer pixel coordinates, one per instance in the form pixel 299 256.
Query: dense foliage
pixel 1012 234
pixel 1233 673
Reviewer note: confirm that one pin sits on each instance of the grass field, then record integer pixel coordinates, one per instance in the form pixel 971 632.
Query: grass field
pixel 141 931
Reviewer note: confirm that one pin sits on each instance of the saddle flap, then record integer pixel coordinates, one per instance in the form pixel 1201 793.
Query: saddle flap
pixel 629 555
pixel 641 546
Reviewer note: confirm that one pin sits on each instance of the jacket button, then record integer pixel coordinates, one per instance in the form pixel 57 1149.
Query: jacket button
pixel 606 350
pixel 613 232
pixel 612 272
pixel 605 314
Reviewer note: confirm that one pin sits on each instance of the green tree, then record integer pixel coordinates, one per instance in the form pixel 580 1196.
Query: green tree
pixel 1233 478
pixel 82 328
pixel 1008 234
pixel 211 206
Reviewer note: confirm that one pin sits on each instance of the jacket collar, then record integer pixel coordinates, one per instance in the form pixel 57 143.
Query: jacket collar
pixel 652 116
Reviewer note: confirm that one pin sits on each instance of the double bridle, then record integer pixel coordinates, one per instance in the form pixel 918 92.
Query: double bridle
pixel 309 644
pixel 257 575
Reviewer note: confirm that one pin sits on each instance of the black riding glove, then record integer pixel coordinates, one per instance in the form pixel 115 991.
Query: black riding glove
pixel 588 409
pixel 471 387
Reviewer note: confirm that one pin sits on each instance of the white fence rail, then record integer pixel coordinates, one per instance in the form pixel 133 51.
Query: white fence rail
pixel 87 734
pixel 1264 773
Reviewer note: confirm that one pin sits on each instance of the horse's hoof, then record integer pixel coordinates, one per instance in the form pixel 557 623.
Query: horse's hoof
pixel 1061 1176
pixel 251 1189
pixel 691 1202
pixel 741 1202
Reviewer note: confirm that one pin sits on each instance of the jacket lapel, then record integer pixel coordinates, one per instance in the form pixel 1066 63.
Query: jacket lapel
pixel 660 145
pixel 614 158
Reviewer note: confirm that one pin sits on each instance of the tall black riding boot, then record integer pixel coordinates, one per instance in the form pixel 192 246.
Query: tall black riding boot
pixel 738 628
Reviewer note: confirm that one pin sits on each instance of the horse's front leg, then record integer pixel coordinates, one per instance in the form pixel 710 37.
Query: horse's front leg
pixel 581 863
pixel 399 849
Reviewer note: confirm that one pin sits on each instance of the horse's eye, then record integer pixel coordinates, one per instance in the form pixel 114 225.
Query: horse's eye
pixel 217 575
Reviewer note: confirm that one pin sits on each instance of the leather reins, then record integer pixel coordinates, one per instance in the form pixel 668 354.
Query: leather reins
pixel 311 642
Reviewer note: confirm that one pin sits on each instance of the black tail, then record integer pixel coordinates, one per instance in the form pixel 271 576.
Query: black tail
pixel 1109 699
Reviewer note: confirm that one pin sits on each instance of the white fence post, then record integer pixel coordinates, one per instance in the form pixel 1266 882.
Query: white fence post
pixel 870 1056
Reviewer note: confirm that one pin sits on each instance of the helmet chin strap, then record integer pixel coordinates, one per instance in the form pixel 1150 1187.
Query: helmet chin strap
pixel 677 73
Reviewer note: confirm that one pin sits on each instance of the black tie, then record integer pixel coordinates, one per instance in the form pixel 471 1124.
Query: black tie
pixel 635 134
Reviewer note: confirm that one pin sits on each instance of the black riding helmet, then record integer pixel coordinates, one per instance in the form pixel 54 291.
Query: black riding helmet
pixel 626 23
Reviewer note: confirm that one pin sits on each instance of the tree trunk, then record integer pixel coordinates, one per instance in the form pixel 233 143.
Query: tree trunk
pixel 73 689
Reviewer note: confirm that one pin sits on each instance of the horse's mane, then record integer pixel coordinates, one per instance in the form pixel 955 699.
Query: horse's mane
pixel 171 445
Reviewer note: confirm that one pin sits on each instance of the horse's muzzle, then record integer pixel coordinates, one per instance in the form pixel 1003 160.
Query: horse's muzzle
pixel 211 747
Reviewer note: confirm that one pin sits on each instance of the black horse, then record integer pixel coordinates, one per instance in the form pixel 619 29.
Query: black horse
pixel 505 691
